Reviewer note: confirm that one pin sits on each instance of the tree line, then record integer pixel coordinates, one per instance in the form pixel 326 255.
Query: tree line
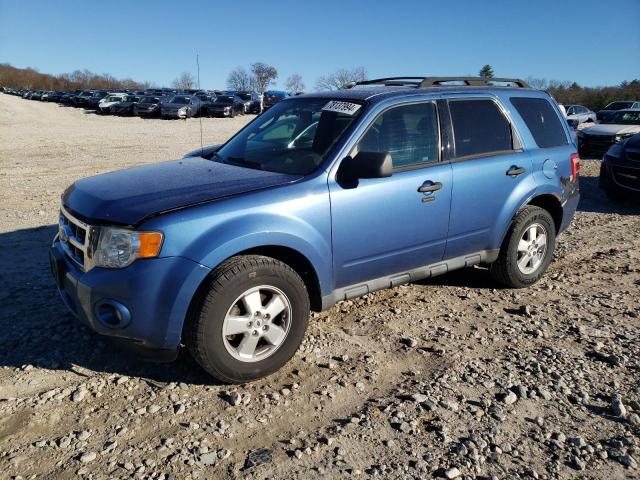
pixel 30 78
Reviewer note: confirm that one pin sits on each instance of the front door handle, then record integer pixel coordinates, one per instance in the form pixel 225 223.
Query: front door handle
pixel 514 171
pixel 429 187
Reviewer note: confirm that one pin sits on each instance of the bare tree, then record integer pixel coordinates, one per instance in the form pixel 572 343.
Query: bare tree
pixel 295 84
pixel 264 75
pixel 341 78
pixel 185 81
pixel 239 79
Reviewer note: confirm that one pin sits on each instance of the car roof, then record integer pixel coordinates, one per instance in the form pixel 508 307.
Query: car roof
pixel 629 110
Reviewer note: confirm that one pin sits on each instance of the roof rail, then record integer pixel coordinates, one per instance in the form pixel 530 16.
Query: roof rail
pixel 471 82
pixel 426 82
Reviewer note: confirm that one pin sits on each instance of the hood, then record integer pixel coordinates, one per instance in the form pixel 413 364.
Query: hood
pixel 611 129
pixel 128 196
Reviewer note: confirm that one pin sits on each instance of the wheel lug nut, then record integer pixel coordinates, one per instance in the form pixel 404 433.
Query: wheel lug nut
pixel 255 332
pixel 249 324
pixel 265 328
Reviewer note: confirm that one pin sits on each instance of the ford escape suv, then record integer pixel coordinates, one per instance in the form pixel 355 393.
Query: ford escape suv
pixel 324 197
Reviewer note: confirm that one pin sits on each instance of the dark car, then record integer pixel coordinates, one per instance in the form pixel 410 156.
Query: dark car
pixel 620 169
pixel 81 99
pixel 147 106
pixel 180 106
pixel 252 103
pixel 272 97
pixel 54 96
pixel 206 99
pixel 94 100
pixel 125 107
pixel 37 95
pixel 226 106
pixel 614 107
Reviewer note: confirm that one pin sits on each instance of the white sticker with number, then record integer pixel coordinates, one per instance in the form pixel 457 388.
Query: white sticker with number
pixel 338 106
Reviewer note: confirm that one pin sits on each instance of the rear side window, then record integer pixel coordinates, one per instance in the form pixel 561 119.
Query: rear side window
pixel 479 128
pixel 542 121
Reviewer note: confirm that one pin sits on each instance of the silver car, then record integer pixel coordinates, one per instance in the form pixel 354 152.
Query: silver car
pixel 580 114
pixel 181 106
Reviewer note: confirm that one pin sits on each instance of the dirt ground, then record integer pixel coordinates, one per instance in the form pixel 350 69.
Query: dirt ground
pixel 452 377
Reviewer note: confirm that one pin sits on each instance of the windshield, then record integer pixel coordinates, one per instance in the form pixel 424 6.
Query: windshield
pixel 244 96
pixel 291 137
pixel 113 98
pixel 618 105
pixel 149 100
pixel 223 100
pixel 179 99
pixel 623 118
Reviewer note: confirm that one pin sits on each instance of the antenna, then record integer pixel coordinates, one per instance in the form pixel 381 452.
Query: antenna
pixel 200 116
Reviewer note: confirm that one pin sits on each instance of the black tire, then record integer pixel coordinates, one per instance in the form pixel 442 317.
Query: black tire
pixel 204 336
pixel 505 269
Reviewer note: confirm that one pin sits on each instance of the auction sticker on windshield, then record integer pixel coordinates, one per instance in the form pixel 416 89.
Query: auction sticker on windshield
pixel 347 108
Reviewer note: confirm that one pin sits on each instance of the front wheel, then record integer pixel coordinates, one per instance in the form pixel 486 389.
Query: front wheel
pixel 251 320
pixel 527 249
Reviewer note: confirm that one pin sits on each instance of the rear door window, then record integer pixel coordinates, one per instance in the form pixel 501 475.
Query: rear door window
pixel 542 121
pixel 479 127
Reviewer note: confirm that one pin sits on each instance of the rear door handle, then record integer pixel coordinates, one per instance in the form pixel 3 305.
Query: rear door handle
pixel 514 171
pixel 429 187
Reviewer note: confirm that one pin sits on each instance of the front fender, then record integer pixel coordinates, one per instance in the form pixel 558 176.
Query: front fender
pixel 295 216
pixel 249 232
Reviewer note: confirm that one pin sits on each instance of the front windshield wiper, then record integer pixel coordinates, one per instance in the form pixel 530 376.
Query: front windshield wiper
pixel 241 162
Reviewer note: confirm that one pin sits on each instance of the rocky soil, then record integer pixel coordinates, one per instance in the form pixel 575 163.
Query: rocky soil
pixel 449 378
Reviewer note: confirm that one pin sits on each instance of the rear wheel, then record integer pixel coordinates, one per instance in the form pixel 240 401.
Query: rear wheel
pixel 527 249
pixel 251 321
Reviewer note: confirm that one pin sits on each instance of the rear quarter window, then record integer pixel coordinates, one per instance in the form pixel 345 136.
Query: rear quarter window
pixel 542 121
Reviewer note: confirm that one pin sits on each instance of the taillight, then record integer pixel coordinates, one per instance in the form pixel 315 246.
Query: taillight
pixel 575 166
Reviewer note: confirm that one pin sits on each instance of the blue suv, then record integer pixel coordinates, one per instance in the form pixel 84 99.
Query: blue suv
pixel 322 198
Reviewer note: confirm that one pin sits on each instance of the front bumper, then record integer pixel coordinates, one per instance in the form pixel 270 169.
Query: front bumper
pixel 620 175
pixel 156 293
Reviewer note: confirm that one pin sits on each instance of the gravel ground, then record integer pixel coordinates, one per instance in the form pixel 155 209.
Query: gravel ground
pixel 447 378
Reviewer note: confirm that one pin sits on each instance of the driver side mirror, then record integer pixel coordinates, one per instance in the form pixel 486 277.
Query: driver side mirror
pixel 366 165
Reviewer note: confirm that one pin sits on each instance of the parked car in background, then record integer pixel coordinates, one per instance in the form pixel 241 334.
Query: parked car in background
pixel 180 106
pixel 94 99
pixel 615 106
pixel 107 104
pixel 147 106
pixel 81 99
pixel 206 99
pixel 125 107
pixel 55 96
pixel 226 106
pixel 226 250
pixel 620 169
pixel 580 113
pixel 251 100
pixel 36 95
pixel 272 97
pixel 616 127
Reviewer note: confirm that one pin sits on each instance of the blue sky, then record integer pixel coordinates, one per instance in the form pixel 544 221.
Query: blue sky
pixel 594 42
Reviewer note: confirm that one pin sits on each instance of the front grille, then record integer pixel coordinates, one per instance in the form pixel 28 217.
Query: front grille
pixel 627 177
pixel 633 155
pixel 598 140
pixel 75 237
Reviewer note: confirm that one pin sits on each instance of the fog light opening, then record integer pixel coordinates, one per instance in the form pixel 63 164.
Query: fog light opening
pixel 112 314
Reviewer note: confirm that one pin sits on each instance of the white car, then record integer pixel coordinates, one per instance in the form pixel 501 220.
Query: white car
pixel 106 104
pixel 580 114
pixel 616 127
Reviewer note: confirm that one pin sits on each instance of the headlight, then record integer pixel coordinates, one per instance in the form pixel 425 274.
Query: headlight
pixel 119 247
pixel 623 136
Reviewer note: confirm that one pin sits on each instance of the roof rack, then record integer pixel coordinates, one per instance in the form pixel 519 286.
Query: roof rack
pixel 426 82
